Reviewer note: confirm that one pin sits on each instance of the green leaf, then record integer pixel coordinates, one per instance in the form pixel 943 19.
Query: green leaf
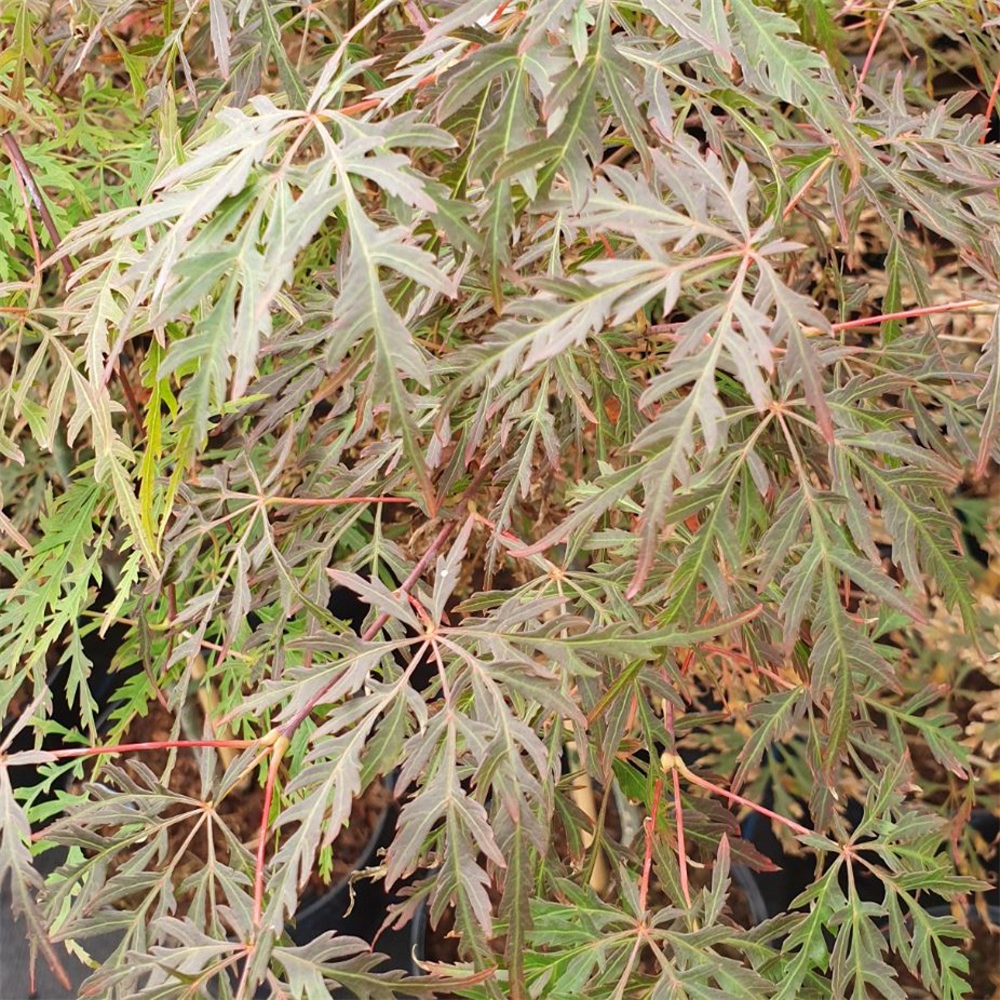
pixel 289 76
pixel 774 717
pixel 776 62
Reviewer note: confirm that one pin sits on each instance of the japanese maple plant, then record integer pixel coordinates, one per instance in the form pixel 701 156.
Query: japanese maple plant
pixel 634 364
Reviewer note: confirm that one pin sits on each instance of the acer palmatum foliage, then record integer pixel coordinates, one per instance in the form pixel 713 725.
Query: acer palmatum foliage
pixel 624 359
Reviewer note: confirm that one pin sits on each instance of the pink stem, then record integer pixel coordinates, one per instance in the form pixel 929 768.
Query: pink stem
pixel 152 745
pixel 265 815
pixel 908 314
pixel 333 501
pixel 871 53
pixel 990 105
pixel 733 797
pixel 647 864
pixel 20 165
pixel 681 847
pixel 678 808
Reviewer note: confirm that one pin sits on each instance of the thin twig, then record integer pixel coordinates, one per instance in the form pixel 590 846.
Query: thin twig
pixel 22 168
pixel 647 861
pixel 31 222
pixel 682 861
pixel 208 698
pixel 150 745
pixel 681 847
pixel 371 102
pixel 582 793
pixel 277 752
pixel 332 501
pixel 499 12
pixel 804 190
pixel 130 398
pixel 416 16
pixel 853 324
pixel 163 626
pixel 415 573
pixel 245 973
pixel 847 9
pixel 871 53
pixel 990 106
pixel 672 762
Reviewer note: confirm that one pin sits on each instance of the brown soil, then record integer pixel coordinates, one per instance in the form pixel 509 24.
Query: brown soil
pixel 20 701
pixel 240 811
pixel 439 944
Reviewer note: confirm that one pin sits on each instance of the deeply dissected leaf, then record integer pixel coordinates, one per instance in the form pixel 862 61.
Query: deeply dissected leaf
pixel 17 872
pixel 616 369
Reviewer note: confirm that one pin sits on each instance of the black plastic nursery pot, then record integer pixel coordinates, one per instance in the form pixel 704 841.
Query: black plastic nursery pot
pixel 409 948
pixel 797 872
pixel 986 825
pixel 767 894
pixel 349 906
pixel 352 906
